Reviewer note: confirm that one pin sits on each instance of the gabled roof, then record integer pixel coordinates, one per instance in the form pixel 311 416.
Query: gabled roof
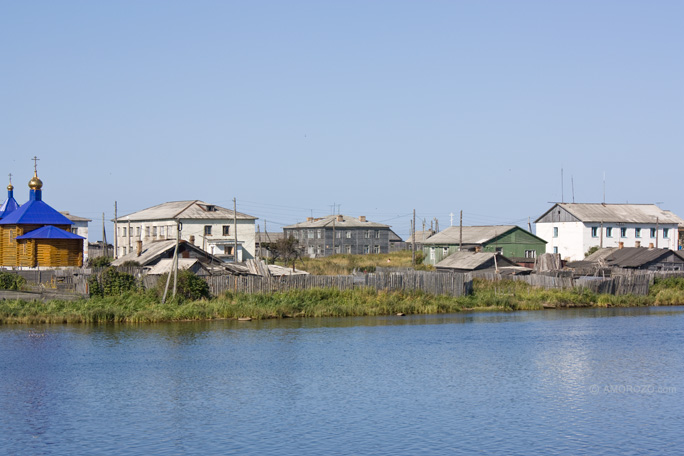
pixel 262 238
pixel 184 210
pixel 473 235
pixel 166 265
pixel 632 257
pixel 471 261
pixel 35 212
pixel 155 250
pixel 74 218
pixel 616 213
pixel 340 221
pixel 421 236
pixel 49 232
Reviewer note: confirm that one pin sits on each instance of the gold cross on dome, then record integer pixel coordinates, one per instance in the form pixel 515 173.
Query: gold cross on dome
pixel 35 164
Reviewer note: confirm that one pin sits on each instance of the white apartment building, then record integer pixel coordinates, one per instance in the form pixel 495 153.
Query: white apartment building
pixel 207 226
pixel 571 229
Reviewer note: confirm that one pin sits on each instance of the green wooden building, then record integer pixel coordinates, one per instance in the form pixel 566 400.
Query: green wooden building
pixel 511 240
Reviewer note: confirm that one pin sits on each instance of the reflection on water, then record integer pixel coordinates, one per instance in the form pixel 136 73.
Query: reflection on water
pixel 493 383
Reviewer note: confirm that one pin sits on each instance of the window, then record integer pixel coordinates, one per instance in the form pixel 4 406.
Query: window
pixel 348 234
pixel 609 232
pixel 124 231
pixel 555 250
pixel 318 250
pixel 147 231
pixel 445 251
pixel 226 230
pixel 137 231
pixel 376 249
pixel 367 234
pixel 366 249
pixel 154 231
pixel 498 249
pixel 666 233
pixel 161 231
pixel 311 250
pixel 228 249
pixel 319 234
pixel 338 234
pixel 594 231
pixel 310 234
pixel 555 231
pixel 377 234
pixel 637 232
pixel 432 253
pixel 623 232
pixel 337 249
pixel 207 230
pixel 653 232
pixel 73 230
pixel 347 248
pixel 530 254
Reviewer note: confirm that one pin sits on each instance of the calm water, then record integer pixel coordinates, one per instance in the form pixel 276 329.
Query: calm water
pixel 591 381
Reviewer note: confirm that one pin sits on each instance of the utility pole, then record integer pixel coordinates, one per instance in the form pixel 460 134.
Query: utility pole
pixel 116 234
pixel 413 241
pixel 460 230
pixel 235 225
pixel 657 232
pixel 105 247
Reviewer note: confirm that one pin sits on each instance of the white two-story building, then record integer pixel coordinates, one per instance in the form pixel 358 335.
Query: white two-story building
pixel 210 227
pixel 571 229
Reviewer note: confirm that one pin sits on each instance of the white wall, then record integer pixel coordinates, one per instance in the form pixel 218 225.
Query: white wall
pixel 575 238
pixel 166 229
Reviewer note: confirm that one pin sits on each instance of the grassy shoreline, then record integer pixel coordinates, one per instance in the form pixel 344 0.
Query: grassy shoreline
pixel 487 296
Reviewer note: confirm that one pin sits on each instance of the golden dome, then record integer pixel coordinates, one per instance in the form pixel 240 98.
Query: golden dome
pixel 10 187
pixel 35 183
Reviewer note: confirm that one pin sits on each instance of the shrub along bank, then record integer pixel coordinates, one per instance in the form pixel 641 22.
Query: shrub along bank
pixel 192 303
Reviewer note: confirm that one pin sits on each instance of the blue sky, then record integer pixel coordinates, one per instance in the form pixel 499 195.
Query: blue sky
pixel 379 107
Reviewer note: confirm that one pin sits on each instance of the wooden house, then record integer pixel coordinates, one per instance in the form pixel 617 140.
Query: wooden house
pixel 35 235
pixel 508 240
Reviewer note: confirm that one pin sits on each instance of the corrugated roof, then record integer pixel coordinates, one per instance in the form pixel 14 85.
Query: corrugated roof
pixel 35 212
pixel 268 237
pixel 155 249
pixel 166 265
pixel 421 236
pixel 634 257
pixel 191 209
pixel 619 213
pixel 49 232
pixel 471 234
pixel 471 261
pixel 74 218
pixel 346 222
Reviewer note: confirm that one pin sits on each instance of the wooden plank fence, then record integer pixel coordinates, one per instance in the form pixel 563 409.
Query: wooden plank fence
pixel 455 284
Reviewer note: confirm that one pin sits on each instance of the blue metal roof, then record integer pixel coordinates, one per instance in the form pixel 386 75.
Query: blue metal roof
pixel 10 205
pixel 49 232
pixel 35 212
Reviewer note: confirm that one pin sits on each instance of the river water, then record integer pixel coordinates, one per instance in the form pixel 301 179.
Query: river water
pixel 586 381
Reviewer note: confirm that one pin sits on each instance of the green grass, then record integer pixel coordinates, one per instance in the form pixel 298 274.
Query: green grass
pixel 146 307
pixel 345 264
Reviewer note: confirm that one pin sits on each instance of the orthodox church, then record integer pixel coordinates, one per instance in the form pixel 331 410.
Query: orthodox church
pixel 36 235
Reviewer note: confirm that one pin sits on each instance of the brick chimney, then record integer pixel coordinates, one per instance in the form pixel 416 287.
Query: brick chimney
pixel 362 218
pixel 340 218
pixel 192 239
pixel 309 219
pixel 478 248
pixel 138 247
pixel 621 245
pixel 637 243
pixel 650 245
